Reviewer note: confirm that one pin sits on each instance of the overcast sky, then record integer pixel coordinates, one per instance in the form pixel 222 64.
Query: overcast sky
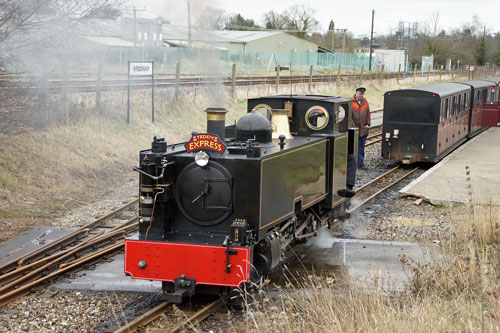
pixel 352 15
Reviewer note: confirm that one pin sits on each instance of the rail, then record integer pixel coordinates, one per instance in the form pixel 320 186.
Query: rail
pixel 55 85
pixel 63 254
pixel 382 190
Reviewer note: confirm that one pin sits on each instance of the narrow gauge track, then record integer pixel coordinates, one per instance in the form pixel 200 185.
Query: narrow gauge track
pixel 84 245
pixel 379 185
pixel 118 84
pixel 159 310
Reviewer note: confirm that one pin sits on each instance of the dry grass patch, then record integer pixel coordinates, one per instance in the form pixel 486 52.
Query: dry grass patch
pixel 459 292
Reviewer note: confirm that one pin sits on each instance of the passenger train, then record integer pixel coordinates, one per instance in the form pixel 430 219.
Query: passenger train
pixel 424 124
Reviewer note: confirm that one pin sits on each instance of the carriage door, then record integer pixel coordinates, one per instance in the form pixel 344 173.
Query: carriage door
pixel 491 108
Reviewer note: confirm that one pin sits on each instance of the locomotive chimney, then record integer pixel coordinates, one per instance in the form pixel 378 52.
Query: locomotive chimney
pixel 216 121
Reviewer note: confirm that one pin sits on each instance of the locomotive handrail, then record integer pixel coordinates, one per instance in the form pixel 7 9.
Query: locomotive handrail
pixel 151 176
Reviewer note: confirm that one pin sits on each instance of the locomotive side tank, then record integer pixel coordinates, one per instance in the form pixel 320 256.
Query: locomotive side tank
pixel 221 209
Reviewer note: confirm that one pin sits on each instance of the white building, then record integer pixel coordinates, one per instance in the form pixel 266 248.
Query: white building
pixel 390 59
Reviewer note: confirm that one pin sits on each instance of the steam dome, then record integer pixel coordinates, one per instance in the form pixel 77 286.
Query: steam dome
pixel 252 126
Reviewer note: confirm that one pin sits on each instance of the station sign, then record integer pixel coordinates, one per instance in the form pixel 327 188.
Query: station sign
pixel 141 68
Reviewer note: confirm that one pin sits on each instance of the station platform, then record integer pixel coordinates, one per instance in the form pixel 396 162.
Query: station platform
pixel 447 183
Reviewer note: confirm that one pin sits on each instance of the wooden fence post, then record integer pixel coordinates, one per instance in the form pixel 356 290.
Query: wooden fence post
pixel 415 72
pixel 382 75
pixel 310 77
pixel 440 72
pixel 338 75
pixel 100 69
pixel 428 73
pixel 399 72
pixel 278 69
pixel 233 80
pixel 44 92
pixel 177 78
pixel 64 91
pixel 452 70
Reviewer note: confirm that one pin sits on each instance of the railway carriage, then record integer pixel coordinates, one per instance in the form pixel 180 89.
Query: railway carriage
pixel 491 109
pixel 423 124
pixel 221 209
pixel 481 97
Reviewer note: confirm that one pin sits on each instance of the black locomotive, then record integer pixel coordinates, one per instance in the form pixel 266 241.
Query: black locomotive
pixel 220 210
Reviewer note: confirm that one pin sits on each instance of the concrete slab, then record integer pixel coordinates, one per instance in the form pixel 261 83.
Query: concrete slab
pixel 30 241
pixel 371 263
pixel 107 276
pixel 446 183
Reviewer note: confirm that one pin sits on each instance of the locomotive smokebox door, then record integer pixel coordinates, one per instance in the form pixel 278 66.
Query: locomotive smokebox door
pixel 204 195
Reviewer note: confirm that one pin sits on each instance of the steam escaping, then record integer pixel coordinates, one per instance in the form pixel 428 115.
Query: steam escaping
pixel 324 240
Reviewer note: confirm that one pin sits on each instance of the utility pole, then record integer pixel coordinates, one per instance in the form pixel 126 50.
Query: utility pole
pixel 371 41
pixel 189 23
pixel 135 27
pixel 343 48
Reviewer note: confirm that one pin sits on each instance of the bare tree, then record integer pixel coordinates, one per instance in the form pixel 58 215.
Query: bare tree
pixel 275 20
pixel 302 19
pixel 212 19
pixel 31 26
pixel 296 17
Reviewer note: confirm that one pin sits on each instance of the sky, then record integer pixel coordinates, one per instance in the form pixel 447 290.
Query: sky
pixel 354 16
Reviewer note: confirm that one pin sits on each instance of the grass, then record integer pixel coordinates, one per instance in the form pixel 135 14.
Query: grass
pixel 46 172
pixel 459 292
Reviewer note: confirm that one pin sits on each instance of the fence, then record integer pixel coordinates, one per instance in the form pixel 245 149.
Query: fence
pixel 200 61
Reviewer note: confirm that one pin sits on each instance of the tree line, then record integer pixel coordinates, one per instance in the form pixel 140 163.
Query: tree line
pixel 470 43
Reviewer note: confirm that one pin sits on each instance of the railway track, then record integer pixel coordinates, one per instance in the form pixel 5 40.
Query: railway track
pixel 379 185
pixel 190 319
pixel 55 85
pixel 81 246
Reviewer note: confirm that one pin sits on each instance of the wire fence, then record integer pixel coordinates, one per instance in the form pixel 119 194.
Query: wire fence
pixel 199 61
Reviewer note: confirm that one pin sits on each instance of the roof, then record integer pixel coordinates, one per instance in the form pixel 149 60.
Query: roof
pixel 97 27
pixel 496 79
pixel 110 41
pixel 173 32
pixel 246 36
pixel 442 89
pixel 477 83
pixel 321 98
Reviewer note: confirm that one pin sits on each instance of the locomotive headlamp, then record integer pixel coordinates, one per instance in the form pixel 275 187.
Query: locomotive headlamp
pixel 201 158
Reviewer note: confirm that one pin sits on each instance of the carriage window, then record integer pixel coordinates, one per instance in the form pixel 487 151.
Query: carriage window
pixel 445 112
pixel 454 106
pixel 479 97
pixel 441 113
pixel 317 117
pixel 488 97
pixel 495 96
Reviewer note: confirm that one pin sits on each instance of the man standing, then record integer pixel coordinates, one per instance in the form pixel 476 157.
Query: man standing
pixel 361 118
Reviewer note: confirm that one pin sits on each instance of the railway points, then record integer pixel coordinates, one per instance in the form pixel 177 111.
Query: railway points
pixel 447 183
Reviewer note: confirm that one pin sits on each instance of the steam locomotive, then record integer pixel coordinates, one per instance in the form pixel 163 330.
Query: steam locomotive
pixel 220 210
